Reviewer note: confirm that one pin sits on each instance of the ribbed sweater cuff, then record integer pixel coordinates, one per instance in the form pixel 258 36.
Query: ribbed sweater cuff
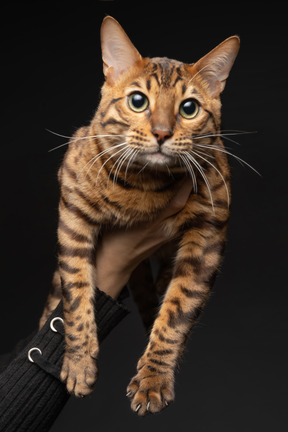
pixel 31 397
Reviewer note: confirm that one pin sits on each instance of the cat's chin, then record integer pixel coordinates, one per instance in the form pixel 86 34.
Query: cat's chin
pixel 158 159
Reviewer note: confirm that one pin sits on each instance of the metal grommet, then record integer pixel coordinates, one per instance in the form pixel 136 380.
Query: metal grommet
pixel 30 351
pixel 52 323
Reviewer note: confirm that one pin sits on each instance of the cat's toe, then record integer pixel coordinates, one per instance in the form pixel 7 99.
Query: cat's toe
pixel 80 377
pixel 150 394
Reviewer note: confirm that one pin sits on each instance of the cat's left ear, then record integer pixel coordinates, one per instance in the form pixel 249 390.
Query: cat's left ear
pixel 118 52
pixel 215 66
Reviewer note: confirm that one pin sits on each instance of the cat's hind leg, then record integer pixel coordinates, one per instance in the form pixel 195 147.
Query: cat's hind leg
pixel 144 293
pixel 148 291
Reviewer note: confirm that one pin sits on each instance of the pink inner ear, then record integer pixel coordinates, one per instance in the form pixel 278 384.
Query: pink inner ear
pixel 118 52
pixel 215 66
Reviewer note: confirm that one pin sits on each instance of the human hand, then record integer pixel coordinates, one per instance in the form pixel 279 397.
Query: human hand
pixel 121 250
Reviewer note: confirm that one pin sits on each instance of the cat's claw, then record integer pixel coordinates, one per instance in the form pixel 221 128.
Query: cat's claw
pixel 150 394
pixel 138 407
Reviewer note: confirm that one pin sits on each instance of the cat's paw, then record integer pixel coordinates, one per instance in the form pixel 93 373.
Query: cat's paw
pixel 79 374
pixel 150 392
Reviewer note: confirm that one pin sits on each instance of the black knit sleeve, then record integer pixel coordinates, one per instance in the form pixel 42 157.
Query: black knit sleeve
pixel 31 394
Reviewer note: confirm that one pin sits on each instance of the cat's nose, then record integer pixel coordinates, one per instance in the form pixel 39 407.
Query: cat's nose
pixel 162 135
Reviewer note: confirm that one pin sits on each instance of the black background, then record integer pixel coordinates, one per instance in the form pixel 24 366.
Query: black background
pixel 234 374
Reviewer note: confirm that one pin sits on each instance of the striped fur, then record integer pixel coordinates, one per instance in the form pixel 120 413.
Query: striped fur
pixel 111 177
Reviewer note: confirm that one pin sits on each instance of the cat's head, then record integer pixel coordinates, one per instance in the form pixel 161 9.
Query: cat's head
pixel 157 106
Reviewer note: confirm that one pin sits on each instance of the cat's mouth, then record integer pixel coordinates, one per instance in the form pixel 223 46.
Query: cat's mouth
pixel 159 158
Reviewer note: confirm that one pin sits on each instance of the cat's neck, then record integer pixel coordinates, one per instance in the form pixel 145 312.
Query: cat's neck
pixel 153 179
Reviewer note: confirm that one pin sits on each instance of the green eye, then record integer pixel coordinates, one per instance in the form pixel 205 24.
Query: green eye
pixel 138 102
pixel 189 109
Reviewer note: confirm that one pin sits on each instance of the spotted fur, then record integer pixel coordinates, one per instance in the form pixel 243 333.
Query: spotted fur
pixel 121 170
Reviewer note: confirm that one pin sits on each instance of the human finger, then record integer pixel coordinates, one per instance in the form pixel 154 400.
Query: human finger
pixel 178 201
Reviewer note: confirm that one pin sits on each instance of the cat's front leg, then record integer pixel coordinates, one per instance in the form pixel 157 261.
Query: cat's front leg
pixel 76 237
pixel 197 261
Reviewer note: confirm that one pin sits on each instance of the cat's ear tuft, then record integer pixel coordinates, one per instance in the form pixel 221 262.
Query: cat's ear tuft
pixel 215 66
pixel 118 52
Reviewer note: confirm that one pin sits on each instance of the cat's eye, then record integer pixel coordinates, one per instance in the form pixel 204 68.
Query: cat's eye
pixel 138 102
pixel 189 109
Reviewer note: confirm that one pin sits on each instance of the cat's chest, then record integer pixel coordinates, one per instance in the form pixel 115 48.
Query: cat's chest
pixel 117 203
pixel 132 205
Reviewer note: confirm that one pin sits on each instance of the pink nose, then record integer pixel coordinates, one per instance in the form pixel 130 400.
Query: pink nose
pixel 162 135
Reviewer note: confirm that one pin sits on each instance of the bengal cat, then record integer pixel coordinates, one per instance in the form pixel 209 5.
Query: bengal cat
pixel 158 122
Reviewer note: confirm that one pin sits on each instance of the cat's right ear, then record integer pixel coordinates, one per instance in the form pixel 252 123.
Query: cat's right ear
pixel 118 52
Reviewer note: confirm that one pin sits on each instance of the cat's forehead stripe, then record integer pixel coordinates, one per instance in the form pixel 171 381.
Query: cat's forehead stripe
pixel 166 72
pixel 135 83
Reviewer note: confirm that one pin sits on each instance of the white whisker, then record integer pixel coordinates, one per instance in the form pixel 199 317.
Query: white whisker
pixel 190 170
pixel 205 154
pixel 224 136
pixel 79 138
pixel 114 154
pixel 200 169
pixel 98 155
pixel 230 139
pixel 59 146
pixel 223 150
pixel 72 138
pixel 143 168
pixel 134 154
pixel 111 169
pixel 216 169
pixel 120 163
pixel 223 133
